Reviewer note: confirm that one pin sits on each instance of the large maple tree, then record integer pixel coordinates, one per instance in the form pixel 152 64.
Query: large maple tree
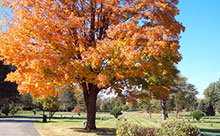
pixel 122 45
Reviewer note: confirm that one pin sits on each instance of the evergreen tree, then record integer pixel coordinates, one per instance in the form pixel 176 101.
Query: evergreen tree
pixel 210 110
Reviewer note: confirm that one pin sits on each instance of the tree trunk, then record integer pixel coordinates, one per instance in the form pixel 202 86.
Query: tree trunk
pixel 164 109
pixel 149 111
pixel 177 114
pixel 51 113
pixel 90 97
pixel 150 114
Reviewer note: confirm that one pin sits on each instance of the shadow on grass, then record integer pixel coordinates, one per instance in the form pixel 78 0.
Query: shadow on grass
pixel 211 121
pixel 78 118
pixel 28 117
pixel 217 122
pixel 67 119
pixel 18 119
pixel 98 131
pixel 73 121
pixel 211 130
pixel 75 118
pixel 49 121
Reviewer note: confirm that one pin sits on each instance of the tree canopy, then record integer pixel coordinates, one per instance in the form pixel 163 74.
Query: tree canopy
pixel 212 97
pixel 56 43
pixel 118 44
pixel 212 92
pixel 183 95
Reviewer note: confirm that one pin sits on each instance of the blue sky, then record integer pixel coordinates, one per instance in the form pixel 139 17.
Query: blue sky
pixel 200 43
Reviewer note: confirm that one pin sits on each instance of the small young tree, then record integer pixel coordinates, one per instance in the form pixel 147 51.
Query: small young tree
pixel 197 114
pixel 50 104
pixel 116 112
pixel 147 105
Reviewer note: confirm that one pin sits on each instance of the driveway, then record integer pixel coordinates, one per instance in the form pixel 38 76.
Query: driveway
pixel 18 126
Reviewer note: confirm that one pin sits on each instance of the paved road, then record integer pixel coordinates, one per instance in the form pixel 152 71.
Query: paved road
pixel 18 126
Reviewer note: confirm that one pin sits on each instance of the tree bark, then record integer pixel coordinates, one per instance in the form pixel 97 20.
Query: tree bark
pixel 149 111
pixel 90 97
pixel 51 113
pixel 177 114
pixel 150 114
pixel 164 109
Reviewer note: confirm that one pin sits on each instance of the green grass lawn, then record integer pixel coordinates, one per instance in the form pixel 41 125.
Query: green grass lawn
pixel 27 113
pixel 69 125
pixel 64 123
pixel 72 125
pixel 30 113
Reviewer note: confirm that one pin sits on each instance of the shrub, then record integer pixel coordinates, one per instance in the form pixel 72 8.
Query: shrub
pixel 178 129
pixel 167 129
pixel 13 109
pixel 148 132
pixel 135 130
pixel 197 114
pixel 127 130
pixel 116 112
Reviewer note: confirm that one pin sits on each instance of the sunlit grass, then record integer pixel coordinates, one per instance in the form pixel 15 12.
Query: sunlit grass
pixel 72 125
pixel 60 126
pixel 69 123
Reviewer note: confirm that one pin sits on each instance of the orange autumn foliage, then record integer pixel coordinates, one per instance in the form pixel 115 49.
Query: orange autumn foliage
pixel 118 44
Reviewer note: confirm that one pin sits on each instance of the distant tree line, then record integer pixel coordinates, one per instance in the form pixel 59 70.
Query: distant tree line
pixel 181 98
pixel 211 102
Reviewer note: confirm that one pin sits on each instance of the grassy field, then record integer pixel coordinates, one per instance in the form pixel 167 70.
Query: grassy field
pixel 70 124
pixel 30 113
